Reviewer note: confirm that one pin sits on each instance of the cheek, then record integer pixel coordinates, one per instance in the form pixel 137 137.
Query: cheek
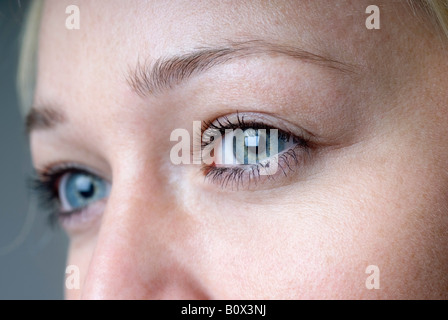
pixel 318 238
pixel 391 214
pixel 315 239
pixel 79 256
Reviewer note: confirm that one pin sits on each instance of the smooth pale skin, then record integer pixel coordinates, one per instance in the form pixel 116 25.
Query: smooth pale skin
pixel 373 192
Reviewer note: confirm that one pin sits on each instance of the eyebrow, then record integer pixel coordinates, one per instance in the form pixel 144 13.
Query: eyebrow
pixel 40 118
pixel 150 78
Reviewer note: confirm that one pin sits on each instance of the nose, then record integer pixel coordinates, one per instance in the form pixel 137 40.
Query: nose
pixel 144 249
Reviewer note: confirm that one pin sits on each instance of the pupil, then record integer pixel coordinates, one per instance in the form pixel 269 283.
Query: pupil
pixel 85 187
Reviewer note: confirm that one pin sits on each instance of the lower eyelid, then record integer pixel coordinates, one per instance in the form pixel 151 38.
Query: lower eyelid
pixel 82 219
pixel 247 177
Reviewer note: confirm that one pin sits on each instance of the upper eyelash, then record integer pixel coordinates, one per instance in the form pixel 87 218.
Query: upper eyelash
pixel 224 123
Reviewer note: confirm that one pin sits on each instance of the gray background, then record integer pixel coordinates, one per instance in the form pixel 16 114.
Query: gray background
pixel 32 254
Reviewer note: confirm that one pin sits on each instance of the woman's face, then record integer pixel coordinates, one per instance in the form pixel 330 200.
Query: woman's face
pixel 362 174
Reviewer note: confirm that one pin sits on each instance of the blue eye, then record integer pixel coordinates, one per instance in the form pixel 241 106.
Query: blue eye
pixel 255 146
pixel 78 190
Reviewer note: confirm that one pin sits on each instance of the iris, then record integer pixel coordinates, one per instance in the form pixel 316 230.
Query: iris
pixel 258 145
pixel 78 190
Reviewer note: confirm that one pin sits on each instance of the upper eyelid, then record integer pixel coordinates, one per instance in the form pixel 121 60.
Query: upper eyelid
pixel 60 168
pixel 261 121
pixel 259 126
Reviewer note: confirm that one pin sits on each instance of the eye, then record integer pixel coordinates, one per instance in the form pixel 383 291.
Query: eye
pixel 238 149
pixel 77 190
pixel 252 146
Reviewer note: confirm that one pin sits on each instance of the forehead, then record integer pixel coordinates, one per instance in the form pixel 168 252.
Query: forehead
pixel 114 35
pixel 121 29
pixel 188 22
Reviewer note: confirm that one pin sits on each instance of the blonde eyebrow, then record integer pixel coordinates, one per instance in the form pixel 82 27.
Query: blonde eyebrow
pixel 149 78
pixel 43 118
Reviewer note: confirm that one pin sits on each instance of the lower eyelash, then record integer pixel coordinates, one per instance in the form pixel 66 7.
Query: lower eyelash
pixel 237 176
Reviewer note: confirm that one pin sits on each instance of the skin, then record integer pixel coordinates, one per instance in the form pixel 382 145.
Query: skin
pixel 371 192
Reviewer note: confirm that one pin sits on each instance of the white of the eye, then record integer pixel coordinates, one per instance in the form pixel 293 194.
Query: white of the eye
pixel 61 191
pixel 223 149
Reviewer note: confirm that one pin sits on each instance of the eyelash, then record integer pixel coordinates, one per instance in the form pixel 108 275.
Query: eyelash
pixel 45 186
pixel 236 175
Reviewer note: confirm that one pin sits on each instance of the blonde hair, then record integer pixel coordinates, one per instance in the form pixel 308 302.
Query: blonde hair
pixel 27 70
pixel 438 9
pixel 26 77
